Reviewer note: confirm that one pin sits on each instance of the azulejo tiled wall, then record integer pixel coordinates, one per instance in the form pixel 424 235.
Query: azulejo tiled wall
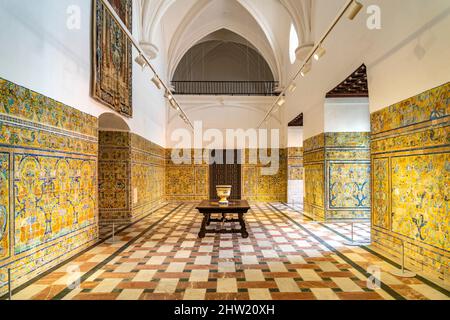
pixel 147 176
pixel 191 181
pixel 114 169
pixel 411 165
pixel 48 182
pixel 188 181
pixel 295 163
pixel 131 176
pixel 313 161
pixel 257 186
pixel 337 176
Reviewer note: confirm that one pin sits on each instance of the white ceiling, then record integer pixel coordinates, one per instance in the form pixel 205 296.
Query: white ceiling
pixel 266 25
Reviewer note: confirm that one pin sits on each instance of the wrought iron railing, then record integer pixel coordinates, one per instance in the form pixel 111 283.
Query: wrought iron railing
pixel 233 88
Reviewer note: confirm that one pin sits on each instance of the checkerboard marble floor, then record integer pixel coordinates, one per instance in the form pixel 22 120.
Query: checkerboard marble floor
pixel 286 257
pixel 361 230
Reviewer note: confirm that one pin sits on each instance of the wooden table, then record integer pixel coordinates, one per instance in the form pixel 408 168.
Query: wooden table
pixel 208 207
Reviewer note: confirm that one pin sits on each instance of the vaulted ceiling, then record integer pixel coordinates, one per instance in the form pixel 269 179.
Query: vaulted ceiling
pixel 265 24
pixel 170 28
pixel 222 56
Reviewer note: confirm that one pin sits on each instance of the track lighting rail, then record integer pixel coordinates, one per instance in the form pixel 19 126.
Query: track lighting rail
pixel 352 7
pixel 143 58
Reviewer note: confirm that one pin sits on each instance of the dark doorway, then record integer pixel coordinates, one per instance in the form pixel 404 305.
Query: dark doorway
pixel 225 172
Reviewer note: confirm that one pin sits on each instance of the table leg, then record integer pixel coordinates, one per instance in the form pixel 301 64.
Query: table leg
pixel 205 221
pixel 243 227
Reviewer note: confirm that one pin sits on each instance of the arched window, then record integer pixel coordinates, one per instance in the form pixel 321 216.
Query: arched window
pixel 293 44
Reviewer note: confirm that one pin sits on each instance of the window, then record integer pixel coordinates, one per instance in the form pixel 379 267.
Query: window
pixel 293 44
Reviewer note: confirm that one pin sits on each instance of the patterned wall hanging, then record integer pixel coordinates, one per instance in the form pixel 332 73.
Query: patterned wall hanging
pixel 112 57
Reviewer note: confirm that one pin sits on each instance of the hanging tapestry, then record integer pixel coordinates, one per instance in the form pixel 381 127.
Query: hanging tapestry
pixel 112 57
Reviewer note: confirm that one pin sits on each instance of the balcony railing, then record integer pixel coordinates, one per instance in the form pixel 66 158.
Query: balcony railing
pixel 233 88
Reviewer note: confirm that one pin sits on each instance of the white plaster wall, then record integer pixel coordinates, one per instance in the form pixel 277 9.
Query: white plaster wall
pixel 408 55
pixel 225 112
pixel 313 121
pixel 42 54
pixel 296 192
pixel 347 115
pixel 420 61
pixel 295 137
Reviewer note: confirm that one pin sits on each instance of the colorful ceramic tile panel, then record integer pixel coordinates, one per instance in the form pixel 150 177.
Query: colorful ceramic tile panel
pixel 349 185
pixel 410 149
pixel 4 206
pixel 147 176
pixel 429 105
pixel 295 164
pixel 344 158
pixel 380 213
pixel 314 191
pixel 17 133
pixel 114 176
pixel 314 143
pixel 189 181
pixel 53 198
pixel 260 187
pixel 48 153
pixel 347 139
pixel 28 105
pixel 131 176
pixel 420 188
pixel 295 173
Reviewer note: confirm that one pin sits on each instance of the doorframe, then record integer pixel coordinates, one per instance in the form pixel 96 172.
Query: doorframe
pixel 239 156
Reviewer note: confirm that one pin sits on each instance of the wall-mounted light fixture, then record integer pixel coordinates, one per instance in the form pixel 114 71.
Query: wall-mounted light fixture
pixel 142 59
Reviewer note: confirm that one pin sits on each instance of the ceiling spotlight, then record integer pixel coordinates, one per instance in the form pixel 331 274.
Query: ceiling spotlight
pixel 157 82
pixel 174 105
pixel 281 101
pixel 306 69
pixel 168 95
pixel 320 52
pixel 292 87
pixel 354 9
pixel 140 60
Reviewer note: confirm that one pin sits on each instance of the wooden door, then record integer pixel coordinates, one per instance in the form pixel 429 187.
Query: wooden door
pixel 226 173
